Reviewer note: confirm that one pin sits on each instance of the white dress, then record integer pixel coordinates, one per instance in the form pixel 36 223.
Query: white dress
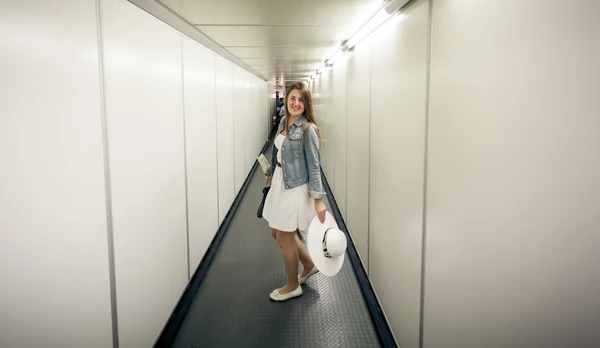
pixel 287 209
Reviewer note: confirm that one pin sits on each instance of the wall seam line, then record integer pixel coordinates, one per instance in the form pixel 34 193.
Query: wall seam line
pixel 233 132
pixel 185 166
pixel 245 128
pixel 346 152
pixel 425 173
pixel 107 181
pixel 217 140
pixel 369 173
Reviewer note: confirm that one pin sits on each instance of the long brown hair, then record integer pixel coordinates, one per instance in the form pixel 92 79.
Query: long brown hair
pixel 308 106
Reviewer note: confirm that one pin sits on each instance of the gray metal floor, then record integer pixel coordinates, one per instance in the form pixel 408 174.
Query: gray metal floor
pixel 233 308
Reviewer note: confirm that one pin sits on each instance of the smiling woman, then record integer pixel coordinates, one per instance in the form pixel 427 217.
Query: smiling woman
pixel 296 193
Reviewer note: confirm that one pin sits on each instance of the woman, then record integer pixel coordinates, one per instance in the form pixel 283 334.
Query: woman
pixel 296 193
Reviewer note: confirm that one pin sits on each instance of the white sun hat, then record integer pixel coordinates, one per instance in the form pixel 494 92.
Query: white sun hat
pixel 326 245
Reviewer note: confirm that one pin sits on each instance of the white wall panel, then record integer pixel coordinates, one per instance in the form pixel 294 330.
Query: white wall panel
pixel 265 101
pixel 261 91
pixel 53 232
pixel 249 121
pixel 358 126
pixel 314 90
pixel 262 134
pixel 201 148
pixel 320 116
pixel 512 217
pixel 254 122
pixel 259 101
pixel 225 134
pixel 270 108
pixel 239 98
pixel 327 123
pixel 398 96
pixel 266 89
pixel 144 101
pixel 338 127
pixel 156 129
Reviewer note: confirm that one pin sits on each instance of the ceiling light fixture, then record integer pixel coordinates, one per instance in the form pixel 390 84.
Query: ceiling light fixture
pixel 335 57
pixel 383 12
pixel 380 17
pixel 375 21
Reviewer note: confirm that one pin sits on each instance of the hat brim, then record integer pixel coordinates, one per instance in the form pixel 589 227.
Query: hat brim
pixel 316 230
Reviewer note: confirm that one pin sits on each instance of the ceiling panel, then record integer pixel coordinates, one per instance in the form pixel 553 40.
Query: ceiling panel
pixel 280 39
pixel 292 71
pixel 245 36
pixel 292 78
pixel 274 60
pixel 283 52
pixel 276 12
pixel 303 66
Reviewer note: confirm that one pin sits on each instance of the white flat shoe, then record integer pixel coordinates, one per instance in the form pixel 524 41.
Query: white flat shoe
pixel 276 296
pixel 302 280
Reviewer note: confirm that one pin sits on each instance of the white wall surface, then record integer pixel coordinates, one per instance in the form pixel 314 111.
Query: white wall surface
pixel 181 81
pixel 201 147
pixel 513 186
pixel 158 92
pixel 358 154
pixel 398 92
pixel 53 229
pixel 225 134
pixel 270 108
pixel 339 130
pixel 250 107
pixel 144 112
pixel 378 126
pixel 256 129
pixel 240 104
pixel 326 120
pixel 511 220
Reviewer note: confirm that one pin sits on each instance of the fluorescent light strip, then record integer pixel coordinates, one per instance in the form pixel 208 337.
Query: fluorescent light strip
pixel 384 12
pixel 379 18
pixel 335 57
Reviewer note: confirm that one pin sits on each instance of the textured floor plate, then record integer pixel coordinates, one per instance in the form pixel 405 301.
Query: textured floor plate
pixel 233 309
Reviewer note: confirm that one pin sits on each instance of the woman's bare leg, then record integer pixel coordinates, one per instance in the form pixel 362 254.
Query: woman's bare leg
pixel 289 251
pixel 304 257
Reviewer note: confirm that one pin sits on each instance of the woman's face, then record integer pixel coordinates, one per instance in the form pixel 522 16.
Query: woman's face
pixel 295 103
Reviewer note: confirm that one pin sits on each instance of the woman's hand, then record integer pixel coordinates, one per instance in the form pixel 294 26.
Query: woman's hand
pixel 321 209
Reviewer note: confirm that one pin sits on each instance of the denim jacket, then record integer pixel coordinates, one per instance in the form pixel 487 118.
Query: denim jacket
pixel 300 157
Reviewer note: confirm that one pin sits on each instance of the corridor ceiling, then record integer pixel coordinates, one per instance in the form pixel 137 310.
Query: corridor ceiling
pixel 282 40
